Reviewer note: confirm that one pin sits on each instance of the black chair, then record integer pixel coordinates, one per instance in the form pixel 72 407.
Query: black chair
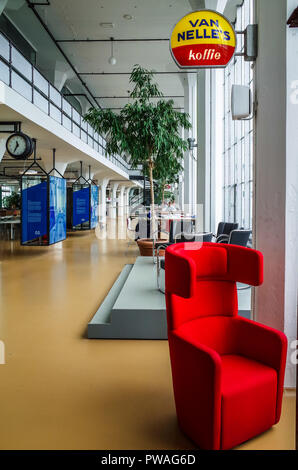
pixel 143 227
pixel 178 227
pixel 179 238
pixel 236 237
pixel 194 237
pixel 224 229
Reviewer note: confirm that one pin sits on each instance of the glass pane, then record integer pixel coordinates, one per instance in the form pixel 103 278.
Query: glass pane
pixel 84 136
pixel 4 47
pixel 55 113
pixel 55 96
pixel 76 130
pixel 21 64
pixel 40 82
pixel 40 101
pixel 76 117
pixel 21 86
pixel 90 130
pixel 66 107
pixel 4 72
pixel 90 141
pixel 66 122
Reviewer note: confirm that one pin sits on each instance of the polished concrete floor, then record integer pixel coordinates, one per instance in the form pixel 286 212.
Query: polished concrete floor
pixel 59 390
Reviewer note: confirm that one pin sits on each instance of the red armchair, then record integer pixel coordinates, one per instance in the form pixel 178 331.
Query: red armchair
pixel 227 371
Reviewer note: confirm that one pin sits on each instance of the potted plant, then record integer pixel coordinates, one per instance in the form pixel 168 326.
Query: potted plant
pixel 12 202
pixel 147 131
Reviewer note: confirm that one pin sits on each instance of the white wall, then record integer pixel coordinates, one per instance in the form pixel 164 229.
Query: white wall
pixel 291 255
pixel 275 161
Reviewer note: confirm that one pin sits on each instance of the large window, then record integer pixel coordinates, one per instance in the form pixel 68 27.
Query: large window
pixel 238 135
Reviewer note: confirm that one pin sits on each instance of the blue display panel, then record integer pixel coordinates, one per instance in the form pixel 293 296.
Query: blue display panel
pixel 57 206
pixel 34 209
pixel 94 206
pixel 81 206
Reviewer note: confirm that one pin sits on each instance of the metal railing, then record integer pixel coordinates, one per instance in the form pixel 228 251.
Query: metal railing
pixel 22 76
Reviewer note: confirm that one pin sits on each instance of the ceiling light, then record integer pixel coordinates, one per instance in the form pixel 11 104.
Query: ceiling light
pixel 112 59
pixel 128 17
pixel 107 25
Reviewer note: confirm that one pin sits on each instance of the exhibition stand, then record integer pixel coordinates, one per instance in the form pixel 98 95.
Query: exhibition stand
pixel 82 203
pixel 43 206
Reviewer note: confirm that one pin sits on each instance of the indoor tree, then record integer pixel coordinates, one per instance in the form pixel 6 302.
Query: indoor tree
pixel 143 129
pixel 166 172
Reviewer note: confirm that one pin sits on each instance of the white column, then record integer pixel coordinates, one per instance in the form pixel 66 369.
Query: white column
pixel 291 274
pixel 121 201
pixel 276 171
pixel 102 200
pixel 206 147
pixel 126 200
pixel 113 213
pixel 190 165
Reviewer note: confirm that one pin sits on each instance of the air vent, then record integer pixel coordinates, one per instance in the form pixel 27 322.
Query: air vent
pixel 107 25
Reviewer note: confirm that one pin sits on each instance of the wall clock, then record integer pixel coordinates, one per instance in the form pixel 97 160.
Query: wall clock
pixel 19 146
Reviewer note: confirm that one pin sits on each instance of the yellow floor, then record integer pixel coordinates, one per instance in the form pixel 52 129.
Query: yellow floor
pixel 59 390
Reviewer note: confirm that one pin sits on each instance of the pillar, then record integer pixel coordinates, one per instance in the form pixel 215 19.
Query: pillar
pixel 190 107
pixel 276 171
pixel 121 202
pixel 102 200
pixel 126 200
pixel 113 213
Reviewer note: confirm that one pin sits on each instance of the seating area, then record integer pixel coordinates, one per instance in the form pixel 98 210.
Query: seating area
pixel 148 232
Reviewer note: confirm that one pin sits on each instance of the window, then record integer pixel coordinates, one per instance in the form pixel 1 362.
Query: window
pixel 238 135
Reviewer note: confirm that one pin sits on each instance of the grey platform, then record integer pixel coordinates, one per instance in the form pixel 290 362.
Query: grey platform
pixel 133 308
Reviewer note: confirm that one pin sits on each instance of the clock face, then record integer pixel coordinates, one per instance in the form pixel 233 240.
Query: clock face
pixel 19 145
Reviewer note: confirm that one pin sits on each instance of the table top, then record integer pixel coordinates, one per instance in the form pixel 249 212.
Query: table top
pixel 10 221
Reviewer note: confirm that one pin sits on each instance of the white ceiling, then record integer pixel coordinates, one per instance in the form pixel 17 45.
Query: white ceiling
pixel 152 19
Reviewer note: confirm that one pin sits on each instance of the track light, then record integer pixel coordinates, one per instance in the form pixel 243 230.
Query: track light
pixel 112 59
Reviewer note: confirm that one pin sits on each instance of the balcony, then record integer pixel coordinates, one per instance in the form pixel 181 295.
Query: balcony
pixel 20 75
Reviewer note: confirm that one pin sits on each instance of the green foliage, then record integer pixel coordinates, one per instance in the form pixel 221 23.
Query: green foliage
pixel 146 131
pixel 13 201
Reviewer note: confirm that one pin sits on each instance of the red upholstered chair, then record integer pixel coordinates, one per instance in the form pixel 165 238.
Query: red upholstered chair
pixel 227 371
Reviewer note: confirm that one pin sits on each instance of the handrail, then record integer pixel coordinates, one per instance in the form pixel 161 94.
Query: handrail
pixel 49 99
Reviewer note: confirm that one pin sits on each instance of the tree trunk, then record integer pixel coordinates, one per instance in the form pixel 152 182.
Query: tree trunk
pixel 163 195
pixel 152 198
pixel 151 182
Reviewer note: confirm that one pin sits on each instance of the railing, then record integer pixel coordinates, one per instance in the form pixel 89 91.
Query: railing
pixel 19 74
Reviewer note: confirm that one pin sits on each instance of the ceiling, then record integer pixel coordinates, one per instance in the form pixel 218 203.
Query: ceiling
pixel 76 20
pixel 144 40
pixel 152 19
pixel 72 61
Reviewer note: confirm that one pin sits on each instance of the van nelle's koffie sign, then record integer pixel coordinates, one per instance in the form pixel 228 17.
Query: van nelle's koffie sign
pixel 203 38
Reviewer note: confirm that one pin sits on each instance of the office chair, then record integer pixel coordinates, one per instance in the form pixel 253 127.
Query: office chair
pixel 236 237
pixel 224 229
pixel 179 238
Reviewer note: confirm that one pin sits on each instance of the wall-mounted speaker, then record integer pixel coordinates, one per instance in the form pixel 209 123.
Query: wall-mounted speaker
pixel 241 102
